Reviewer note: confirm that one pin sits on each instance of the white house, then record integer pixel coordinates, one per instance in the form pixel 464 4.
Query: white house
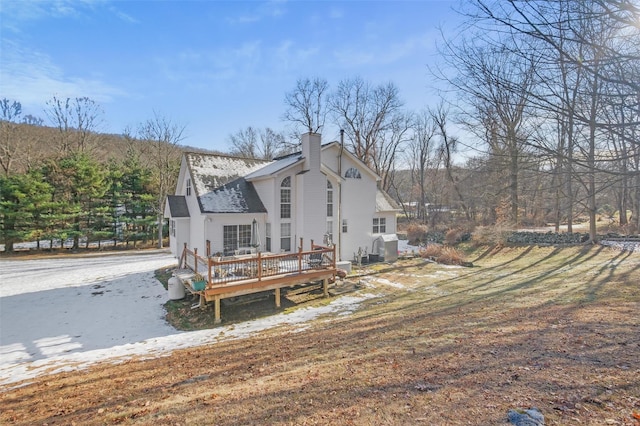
pixel 323 193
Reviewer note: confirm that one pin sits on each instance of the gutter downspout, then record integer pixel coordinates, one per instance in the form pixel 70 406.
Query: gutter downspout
pixel 340 194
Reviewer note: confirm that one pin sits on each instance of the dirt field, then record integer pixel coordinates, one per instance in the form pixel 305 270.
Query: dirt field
pixel 553 328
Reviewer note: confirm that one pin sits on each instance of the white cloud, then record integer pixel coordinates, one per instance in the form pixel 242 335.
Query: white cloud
pixel 270 9
pixel 336 13
pixel 288 55
pixel 15 14
pixel 31 78
pixel 200 67
pixel 384 53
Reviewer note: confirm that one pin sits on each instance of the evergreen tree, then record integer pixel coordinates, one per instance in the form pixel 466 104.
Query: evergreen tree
pixel 24 200
pixel 80 183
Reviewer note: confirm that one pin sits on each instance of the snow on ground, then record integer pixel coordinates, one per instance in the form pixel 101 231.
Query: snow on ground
pixel 67 313
pixel 384 281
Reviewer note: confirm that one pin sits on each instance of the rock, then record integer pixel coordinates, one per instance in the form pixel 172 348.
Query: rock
pixel 547 238
pixel 530 417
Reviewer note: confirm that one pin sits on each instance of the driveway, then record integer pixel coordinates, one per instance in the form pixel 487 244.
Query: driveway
pixel 68 312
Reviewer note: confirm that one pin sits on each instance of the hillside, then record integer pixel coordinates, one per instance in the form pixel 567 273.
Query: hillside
pixel 30 144
pixel 555 328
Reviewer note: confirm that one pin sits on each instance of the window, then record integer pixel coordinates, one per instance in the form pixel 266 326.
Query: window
pixel 353 173
pixel 172 228
pixel 285 236
pixel 244 235
pixel 285 198
pixel 344 226
pixel 229 238
pixel 188 189
pixel 235 236
pixel 267 231
pixel 379 225
pixel 329 199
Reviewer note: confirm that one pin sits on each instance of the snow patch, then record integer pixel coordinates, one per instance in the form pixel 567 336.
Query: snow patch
pixel 66 314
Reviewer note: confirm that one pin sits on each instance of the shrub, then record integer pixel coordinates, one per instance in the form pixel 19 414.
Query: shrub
pixel 456 235
pixel 490 235
pixel 416 232
pixel 431 251
pixel 442 254
pixel 450 256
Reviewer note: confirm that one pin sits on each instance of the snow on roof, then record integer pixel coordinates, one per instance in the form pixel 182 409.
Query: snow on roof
pixel 210 171
pixel 219 183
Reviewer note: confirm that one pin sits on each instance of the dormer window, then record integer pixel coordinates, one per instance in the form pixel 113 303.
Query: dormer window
pixel 188 186
pixel 353 173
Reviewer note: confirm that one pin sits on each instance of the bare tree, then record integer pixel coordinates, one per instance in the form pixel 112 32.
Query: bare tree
pixel 448 146
pixel 163 137
pixel 496 85
pixel 77 121
pixel 390 144
pixel 9 146
pixel 265 144
pixel 422 157
pixel 591 46
pixel 365 112
pixel 307 104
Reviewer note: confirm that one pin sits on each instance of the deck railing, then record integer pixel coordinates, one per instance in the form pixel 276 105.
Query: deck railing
pixel 219 271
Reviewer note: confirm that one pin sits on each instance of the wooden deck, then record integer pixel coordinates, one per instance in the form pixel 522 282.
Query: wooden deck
pixel 240 275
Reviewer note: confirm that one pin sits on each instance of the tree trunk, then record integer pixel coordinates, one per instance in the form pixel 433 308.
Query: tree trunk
pixel 160 226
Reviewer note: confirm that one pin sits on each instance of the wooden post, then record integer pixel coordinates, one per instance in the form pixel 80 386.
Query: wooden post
pixel 278 297
pixel 259 267
pixel 300 257
pixel 195 260
pixel 209 281
pixel 216 307
pixel 325 287
pixel 334 256
pixel 183 258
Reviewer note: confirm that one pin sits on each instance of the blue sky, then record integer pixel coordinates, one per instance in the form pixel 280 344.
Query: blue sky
pixel 212 66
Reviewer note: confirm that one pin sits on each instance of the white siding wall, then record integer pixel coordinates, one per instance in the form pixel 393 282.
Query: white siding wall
pixel 311 207
pixel 358 208
pixel 269 192
pixel 196 229
pixel 182 231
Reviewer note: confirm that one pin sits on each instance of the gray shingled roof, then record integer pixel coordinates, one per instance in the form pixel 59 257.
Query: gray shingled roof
pixel 178 206
pixel 238 196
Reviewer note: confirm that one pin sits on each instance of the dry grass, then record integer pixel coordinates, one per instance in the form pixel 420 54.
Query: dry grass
pixel 490 235
pixel 555 328
pixel 416 232
pixel 445 255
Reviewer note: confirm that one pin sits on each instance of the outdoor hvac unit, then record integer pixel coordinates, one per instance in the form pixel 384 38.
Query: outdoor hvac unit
pixel 386 245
